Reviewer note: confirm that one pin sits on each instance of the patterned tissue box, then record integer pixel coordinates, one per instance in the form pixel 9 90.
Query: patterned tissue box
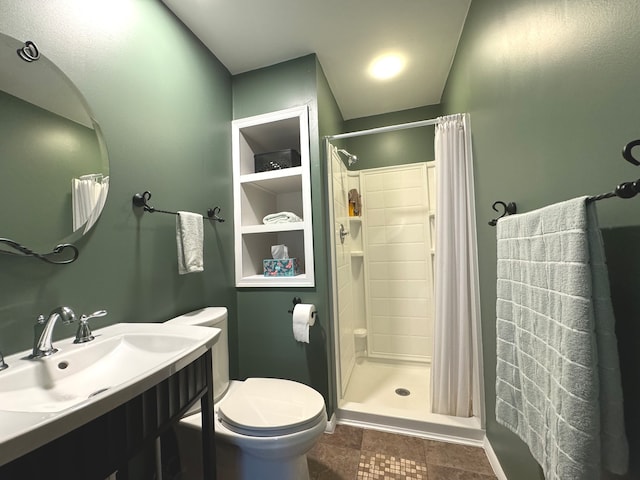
pixel 284 267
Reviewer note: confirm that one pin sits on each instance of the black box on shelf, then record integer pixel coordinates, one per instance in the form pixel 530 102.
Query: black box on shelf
pixel 280 159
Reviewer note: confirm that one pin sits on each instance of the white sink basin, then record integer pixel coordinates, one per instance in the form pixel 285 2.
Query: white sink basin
pixel 44 398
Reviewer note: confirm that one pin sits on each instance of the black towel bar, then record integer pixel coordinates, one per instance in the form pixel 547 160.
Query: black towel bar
pixel 623 190
pixel 141 199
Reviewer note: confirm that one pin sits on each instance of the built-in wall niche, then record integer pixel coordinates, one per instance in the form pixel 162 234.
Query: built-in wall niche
pixel 269 194
pixel 266 137
pixel 257 246
pixel 261 193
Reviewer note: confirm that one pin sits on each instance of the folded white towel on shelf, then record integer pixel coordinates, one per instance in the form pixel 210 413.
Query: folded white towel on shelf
pixel 190 240
pixel 558 381
pixel 281 217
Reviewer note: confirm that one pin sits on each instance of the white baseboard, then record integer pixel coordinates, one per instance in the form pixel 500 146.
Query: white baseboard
pixel 331 424
pixel 493 460
pixel 442 428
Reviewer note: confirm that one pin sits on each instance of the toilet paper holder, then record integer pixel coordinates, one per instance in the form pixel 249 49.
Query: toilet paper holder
pixel 296 301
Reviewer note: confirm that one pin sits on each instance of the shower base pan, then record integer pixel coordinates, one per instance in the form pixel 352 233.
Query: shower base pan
pixel 396 397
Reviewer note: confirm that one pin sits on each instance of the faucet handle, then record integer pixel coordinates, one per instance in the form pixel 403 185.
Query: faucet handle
pixel 99 313
pixel 3 365
pixel 83 333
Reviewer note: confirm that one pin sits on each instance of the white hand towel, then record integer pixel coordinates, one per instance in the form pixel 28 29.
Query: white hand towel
pixel 190 238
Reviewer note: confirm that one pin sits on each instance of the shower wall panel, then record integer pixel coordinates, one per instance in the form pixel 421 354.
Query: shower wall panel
pixel 347 356
pixel 358 273
pixel 399 262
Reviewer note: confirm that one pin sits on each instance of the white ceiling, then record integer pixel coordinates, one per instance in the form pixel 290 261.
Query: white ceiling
pixel 345 34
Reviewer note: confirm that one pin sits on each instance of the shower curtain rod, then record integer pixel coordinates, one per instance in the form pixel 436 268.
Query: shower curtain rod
pixel 390 128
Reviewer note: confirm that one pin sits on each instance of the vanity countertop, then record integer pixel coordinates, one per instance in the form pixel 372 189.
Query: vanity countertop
pixel 42 399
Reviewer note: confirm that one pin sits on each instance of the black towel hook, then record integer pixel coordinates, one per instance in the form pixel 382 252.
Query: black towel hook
pixel 508 209
pixel 141 199
pixel 626 152
pixel 213 214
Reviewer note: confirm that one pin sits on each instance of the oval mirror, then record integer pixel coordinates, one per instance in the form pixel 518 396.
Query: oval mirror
pixel 55 168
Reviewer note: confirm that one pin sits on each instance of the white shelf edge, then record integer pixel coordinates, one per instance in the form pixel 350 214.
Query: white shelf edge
pixel 301 280
pixel 270 175
pixel 273 228
pixel 357 253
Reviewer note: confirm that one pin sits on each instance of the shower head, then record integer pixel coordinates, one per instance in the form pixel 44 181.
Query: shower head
pixel 350 157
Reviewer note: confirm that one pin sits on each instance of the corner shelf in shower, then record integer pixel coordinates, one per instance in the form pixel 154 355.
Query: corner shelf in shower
pixel 357 241
pixel 257 194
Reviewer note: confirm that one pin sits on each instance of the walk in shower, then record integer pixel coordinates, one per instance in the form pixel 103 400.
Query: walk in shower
pixel 382 223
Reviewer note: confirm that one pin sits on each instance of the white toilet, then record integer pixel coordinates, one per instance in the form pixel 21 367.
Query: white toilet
pixel 263 426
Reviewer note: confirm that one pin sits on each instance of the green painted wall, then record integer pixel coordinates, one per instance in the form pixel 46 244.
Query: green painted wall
pixel 164 105
pixel 623 259
pixel 552 89
pixel 392 148
pixel 266 343
pixel 330 119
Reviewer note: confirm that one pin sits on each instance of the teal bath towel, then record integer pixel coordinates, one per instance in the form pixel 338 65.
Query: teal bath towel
pixel 558 379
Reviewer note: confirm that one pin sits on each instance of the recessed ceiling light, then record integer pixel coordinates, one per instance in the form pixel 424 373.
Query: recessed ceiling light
pixel 386 66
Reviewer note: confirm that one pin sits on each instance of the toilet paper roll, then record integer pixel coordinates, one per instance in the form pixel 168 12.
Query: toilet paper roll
pixel 304 316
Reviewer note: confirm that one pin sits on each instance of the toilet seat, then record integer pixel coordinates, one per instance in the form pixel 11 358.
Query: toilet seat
pixel 266 407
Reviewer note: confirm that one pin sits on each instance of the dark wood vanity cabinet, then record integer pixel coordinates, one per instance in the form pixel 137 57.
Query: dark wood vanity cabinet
pixel 106 444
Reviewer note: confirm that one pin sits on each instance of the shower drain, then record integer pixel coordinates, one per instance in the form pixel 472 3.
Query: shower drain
pixel 403 392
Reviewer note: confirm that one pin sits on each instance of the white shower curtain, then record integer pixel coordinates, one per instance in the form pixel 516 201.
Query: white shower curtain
pixel 88 195
pixel 456 272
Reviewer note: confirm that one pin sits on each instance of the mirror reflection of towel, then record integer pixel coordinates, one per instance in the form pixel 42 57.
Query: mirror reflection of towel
pixel 190 239
pixel 355 199
pixel 88 195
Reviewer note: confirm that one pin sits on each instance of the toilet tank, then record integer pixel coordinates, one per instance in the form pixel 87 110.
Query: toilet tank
pixel 213 317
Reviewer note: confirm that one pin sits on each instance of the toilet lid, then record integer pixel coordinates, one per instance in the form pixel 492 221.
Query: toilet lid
pixel 264 407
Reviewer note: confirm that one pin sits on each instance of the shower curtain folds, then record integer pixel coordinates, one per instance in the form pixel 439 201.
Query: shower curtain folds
pixel 456 272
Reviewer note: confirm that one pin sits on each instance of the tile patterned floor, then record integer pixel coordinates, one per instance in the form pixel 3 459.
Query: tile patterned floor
pixel 360 454
pixel 380 466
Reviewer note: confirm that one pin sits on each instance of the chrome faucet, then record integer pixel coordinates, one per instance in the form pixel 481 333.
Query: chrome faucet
pixel 43 331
